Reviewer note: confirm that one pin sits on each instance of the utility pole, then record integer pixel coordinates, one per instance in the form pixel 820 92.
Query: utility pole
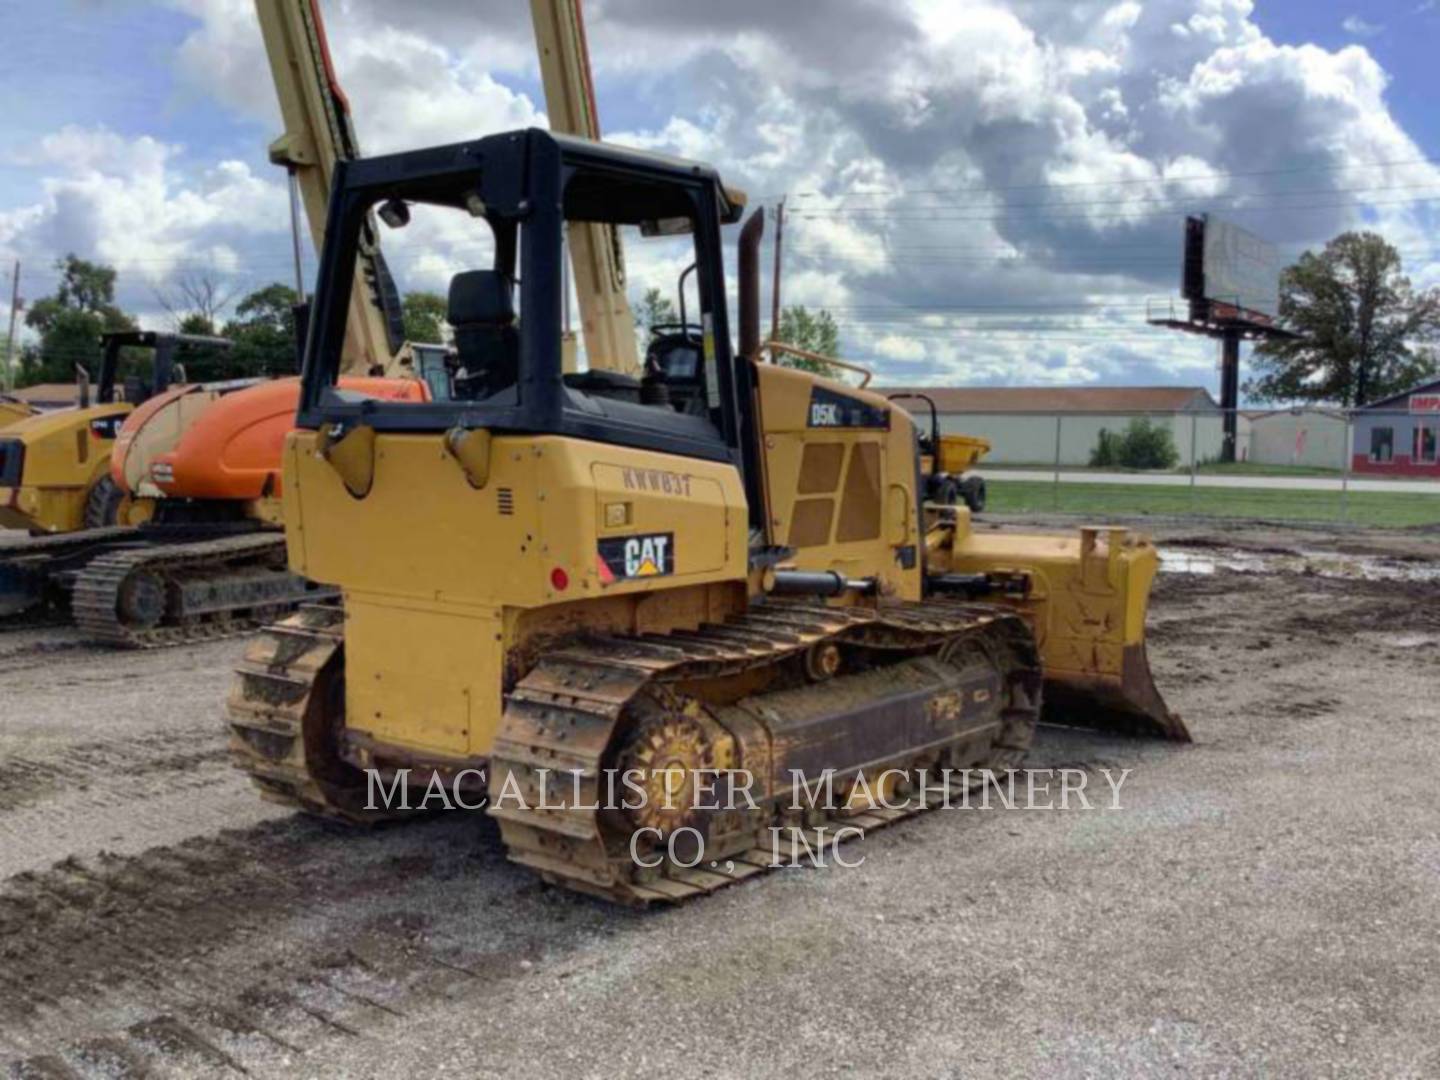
pixel 775 285
pixel 9 374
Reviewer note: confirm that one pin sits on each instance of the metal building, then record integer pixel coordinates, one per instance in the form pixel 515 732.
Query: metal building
pixel 1400 435
pixel 1025 425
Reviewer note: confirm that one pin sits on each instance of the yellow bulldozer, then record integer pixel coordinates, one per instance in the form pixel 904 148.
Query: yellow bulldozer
pixel 716 567
pixel 55 466
pixel 13 410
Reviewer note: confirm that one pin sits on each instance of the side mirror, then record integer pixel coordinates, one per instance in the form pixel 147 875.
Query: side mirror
pixel 395 213
pixel 675 226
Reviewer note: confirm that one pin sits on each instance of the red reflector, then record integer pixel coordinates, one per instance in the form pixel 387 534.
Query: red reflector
pixel 560 579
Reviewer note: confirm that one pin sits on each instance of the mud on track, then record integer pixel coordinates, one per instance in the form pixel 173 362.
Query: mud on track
pixel 1268 901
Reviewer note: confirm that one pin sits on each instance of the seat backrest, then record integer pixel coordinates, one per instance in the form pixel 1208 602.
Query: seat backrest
pixel 481 310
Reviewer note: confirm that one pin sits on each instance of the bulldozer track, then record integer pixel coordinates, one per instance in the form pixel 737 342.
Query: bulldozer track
pixel 567 713
pixel 276 690
pixel 243 578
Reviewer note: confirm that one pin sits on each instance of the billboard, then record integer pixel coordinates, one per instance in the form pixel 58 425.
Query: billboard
pixel 1231 271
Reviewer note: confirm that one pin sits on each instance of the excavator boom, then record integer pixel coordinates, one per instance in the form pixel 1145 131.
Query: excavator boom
pixel 318 134
pixel 596 252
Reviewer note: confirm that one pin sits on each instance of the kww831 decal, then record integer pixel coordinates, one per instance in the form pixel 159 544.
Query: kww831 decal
pixel 625 557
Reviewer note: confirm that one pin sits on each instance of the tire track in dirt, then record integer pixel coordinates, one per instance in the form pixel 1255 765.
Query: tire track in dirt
pixel 263 949
pixel 26 779
pixel 252 947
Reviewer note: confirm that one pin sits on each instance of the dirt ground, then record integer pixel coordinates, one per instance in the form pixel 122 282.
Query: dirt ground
pixel 1266 902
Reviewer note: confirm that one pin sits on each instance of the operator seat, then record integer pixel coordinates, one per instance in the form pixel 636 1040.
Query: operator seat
pixel 481 310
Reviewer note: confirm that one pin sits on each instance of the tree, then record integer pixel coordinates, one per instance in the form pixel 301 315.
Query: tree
pixel 1142 445
pixel 264 333
pixel 425 317
pixel 654 309
pixel 70 322
pixel 195 299
pixel 814 333
pixel 1363 328
pixel 195 323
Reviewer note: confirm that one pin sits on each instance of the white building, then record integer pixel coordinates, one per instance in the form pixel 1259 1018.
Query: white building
pixel 1023 424
pixel 1309 437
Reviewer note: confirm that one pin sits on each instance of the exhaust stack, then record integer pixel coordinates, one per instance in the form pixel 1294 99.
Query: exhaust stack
pixel 749 285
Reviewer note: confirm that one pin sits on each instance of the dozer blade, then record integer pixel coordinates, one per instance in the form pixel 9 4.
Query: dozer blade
pixel 1088 602
pixel 1129 703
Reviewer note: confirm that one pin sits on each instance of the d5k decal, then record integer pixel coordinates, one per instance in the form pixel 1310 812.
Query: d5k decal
pixel 831 410
pixel 622 557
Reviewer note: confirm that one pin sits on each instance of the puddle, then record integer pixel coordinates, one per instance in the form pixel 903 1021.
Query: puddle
pixel 1316 563
pixel 1404 641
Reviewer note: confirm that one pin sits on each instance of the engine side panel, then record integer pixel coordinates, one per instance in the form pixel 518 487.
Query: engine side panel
pixel 840 478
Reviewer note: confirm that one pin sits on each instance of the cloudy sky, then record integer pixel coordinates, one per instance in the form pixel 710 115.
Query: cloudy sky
pixel 982 191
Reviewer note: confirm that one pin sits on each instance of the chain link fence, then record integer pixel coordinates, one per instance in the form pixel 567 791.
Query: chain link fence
pixel 1375 467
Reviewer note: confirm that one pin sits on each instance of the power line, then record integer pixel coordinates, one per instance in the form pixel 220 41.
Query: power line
pixel 1197 177
pixel 1195 206
pixel 1171 199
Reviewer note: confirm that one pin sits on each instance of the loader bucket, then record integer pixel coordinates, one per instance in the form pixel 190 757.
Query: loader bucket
pixel 1088 602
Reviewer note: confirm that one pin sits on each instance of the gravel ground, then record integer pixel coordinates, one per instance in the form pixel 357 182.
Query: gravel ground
pixel 1264 903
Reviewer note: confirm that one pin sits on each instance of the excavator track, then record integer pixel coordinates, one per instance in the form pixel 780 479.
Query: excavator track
pixel 573 713
pixel 30 592
pixel 169 594
pixel 581 706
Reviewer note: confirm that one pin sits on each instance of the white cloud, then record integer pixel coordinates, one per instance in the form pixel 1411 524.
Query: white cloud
pixel 412 79
pixel 1355 26
pixel 980 189
pixel 128 203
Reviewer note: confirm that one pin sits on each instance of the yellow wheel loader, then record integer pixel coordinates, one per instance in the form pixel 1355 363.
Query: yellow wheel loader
pixel 597 599
pixel 55 467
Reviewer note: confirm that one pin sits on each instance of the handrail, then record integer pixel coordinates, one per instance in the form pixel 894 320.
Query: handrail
pixel 820 358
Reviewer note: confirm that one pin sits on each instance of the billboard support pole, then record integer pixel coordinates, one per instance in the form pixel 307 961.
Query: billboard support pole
pixel 1229 391
pixel 1231 279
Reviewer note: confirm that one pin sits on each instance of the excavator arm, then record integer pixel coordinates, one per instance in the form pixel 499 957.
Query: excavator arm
pixel 318 134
